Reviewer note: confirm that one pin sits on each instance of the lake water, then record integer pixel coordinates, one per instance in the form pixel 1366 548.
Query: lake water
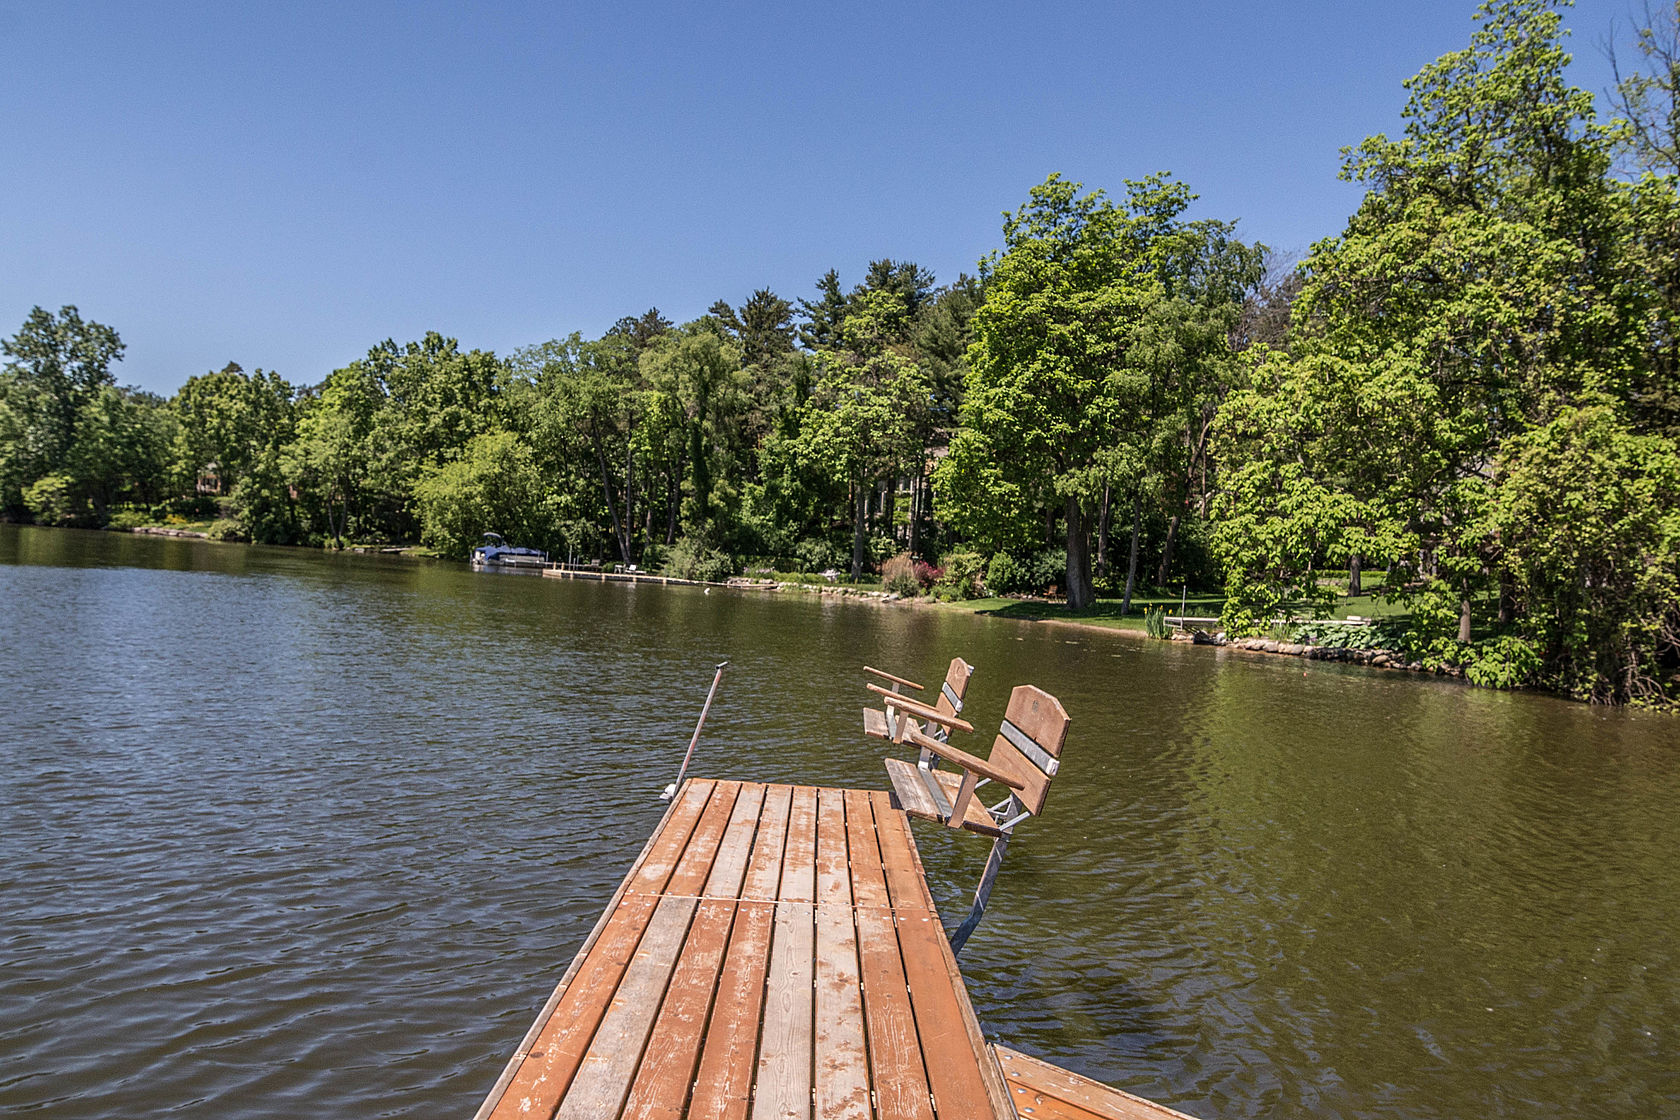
pixel 284 833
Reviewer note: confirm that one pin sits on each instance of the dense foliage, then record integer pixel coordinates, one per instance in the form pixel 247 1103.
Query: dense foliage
pixel 1478 389
pixel 1474 387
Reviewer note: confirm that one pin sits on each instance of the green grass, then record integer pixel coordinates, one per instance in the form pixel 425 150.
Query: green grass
pixel 1203 604
pixel 1366 606
pixel 202 526
pixel 814 579
pixel 1104 612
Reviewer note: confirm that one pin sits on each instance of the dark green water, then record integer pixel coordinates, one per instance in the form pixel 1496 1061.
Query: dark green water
pixel 285 834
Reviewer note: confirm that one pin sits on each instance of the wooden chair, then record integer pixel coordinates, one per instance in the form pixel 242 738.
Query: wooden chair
pixel 882 723
pixel 1025 757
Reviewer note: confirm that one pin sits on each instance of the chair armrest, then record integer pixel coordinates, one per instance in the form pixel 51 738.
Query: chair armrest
pixel 965 760
pixel 921 710
pixel 895 680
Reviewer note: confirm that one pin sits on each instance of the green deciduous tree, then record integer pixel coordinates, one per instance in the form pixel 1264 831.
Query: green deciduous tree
pixel 1099 322
pixel 57 365
pixel 1497 280
pixel 231 423
pixel 494 485
pixel 699 393
pixel 1586 516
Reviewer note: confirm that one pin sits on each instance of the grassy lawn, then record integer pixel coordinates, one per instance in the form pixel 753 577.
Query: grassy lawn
pixel 1203 604
pixel 182 524
pixel 1104 612
pixel 813 579
pixel 1365 606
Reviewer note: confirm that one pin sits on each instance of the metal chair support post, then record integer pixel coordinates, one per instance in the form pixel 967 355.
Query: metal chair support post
pixel 982 895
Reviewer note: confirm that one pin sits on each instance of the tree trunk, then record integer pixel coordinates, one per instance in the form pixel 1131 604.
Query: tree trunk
pixel 1507 594
pixel 915 542
pixel 1464 615
pixel 1166 552
pixel 1102 535
pixel 889 507
pixel 673 506
pixel 629 493
pixel 860 518
pixel 1131 566
pixel 1079 593
pixel 1354 586
pixel 332 523
pixel 621 533
pixel 702 478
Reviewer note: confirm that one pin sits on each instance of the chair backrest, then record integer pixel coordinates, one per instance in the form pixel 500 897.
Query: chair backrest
pixel 950 700
pixel 1029 743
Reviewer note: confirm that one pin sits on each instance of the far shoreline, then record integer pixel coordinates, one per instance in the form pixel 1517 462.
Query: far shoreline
pixel 1379 660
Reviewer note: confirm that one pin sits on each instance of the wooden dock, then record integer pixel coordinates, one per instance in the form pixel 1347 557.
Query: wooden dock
pixel 774 952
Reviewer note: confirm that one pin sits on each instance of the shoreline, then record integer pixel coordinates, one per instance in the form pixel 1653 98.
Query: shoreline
pixel 1388 660
pixel 1365 658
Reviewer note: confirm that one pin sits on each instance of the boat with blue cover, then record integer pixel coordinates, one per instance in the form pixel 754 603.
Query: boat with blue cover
pixel 497 553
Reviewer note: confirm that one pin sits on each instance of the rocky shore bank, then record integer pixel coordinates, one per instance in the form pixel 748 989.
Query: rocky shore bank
pixel 1375 658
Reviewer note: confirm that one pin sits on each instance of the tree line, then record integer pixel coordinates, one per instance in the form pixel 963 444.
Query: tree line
pixel 1474 388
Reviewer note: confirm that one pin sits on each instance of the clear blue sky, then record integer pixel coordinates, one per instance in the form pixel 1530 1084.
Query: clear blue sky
pixel 286 184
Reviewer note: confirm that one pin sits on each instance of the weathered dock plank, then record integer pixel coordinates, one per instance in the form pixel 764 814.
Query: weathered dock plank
pixel 1042 1091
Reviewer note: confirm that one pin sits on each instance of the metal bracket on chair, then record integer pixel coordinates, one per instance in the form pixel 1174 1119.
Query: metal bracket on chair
pixel 982 894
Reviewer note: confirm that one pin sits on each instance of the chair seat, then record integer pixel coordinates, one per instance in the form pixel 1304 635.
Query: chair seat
pixel 875 723
pixel 914 794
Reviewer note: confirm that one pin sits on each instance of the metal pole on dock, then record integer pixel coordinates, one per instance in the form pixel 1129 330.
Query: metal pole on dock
pixel 671 790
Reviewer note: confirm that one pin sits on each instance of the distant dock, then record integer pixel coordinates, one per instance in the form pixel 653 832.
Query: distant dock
pixel 775 952
pixel 602 575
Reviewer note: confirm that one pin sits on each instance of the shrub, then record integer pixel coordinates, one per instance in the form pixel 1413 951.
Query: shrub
pixel 961 579
pixel 129 519
pixel 927 575
pixel 226 529
pixel 52 500
pixel 815 556
pixel 693 558
pixel 898 575
pixel 1005 575
pixel 1046 568
pixel 1384 634
pixel 1503 662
